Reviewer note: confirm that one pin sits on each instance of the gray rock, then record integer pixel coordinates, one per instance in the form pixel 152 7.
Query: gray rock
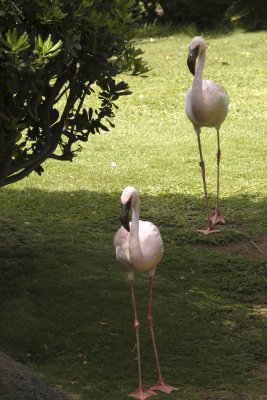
pixel 18 382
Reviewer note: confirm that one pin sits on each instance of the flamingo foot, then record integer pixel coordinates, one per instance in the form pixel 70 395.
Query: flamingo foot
pixel 141 393
pixel 163 387
pixel 216 217
pixel 209 230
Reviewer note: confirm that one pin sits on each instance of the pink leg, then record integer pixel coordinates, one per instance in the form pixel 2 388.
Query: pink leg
pixel 209 229
pixel 160 385
pixel 140 393
pixel 216 217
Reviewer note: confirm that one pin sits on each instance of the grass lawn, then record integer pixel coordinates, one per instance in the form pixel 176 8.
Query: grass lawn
pixel 65 302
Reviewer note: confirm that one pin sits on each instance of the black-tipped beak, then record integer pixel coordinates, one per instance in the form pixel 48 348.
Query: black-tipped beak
pixel 191 60
pixel 124 217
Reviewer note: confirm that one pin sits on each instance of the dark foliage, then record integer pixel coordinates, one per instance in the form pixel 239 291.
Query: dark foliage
pixel 53 56
pixel 251 15
pixel 203 13
pixel 147 9
pixel 208 14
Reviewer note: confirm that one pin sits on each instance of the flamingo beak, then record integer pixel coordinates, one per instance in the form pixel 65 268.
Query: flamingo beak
pixel 124 217
pixel 191 59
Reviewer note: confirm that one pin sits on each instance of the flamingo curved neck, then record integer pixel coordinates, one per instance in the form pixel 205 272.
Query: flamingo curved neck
pixel 134 245
pixel 134 232
pixel 197 99
pixel 197 80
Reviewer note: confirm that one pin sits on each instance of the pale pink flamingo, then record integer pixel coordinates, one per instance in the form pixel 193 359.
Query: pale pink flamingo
pixel 139 248
pixel 206 104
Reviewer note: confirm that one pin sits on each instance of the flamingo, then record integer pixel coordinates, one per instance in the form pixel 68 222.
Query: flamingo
pixel 139 248
pixel 206 104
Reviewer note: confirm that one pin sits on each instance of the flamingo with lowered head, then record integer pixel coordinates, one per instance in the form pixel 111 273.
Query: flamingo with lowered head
pixel 139 248
pixel 206 104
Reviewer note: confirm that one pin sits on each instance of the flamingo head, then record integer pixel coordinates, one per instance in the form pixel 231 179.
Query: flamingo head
pixel 196 47
pixel 128 197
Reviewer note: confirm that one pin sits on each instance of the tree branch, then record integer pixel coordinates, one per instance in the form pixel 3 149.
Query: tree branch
pixel 48 149
pixel 41 156
pixel 5 166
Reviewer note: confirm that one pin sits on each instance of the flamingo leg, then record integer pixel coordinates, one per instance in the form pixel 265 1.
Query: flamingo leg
pixel 216 217
pixel 209 229
pixel 140 393
pixel 160 385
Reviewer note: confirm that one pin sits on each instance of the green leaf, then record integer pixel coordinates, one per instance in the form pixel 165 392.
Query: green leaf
pixel 11 37
pixel 40 41
pixel 56 47
pixel 47 44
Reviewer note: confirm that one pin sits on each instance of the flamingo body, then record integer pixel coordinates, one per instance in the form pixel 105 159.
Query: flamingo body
pixel 138 244
pixel 214 105
pixel 143 256
pixel 139 248
pixel 206 105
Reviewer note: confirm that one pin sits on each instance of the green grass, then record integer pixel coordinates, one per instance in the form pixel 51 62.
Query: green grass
pixel 65 303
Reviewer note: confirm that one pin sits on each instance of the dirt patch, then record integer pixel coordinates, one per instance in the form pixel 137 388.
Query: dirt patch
pixel 262 371
pixel 239 396
pixel 250 248
pixel 210 395
pixel 261 310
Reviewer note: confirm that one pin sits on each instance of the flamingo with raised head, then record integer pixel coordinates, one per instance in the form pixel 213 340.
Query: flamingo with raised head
pixel 206 104
pixel 139 248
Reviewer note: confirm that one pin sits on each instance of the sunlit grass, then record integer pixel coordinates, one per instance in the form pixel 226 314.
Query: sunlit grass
pixel 65 306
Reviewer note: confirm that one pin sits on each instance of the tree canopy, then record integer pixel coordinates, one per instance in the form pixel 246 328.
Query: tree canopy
pixel 53 56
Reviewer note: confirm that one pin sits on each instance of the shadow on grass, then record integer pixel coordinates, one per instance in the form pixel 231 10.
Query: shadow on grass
pixel 66 311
